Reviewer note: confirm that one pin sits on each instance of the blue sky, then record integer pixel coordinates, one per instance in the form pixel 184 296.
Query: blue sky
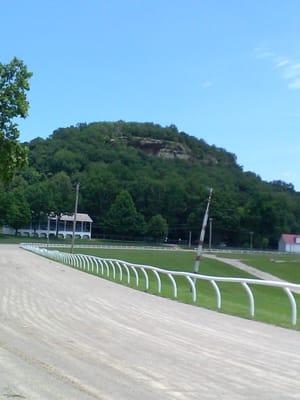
pixel 225 71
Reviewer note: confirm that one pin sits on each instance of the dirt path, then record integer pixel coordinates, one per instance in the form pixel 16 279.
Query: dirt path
pixel 247 268
pixel 68 335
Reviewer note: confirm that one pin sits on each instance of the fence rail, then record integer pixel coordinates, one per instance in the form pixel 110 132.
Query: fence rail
pixel 116 269
pixel 164 247
pixel 101 246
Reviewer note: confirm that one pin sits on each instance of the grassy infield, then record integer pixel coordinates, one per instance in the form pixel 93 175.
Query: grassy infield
pixel 272 304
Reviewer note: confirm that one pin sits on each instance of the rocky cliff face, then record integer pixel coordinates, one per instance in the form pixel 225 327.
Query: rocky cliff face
pixel 160 148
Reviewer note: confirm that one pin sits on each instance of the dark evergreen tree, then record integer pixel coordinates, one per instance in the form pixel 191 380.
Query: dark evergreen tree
pixel 123 218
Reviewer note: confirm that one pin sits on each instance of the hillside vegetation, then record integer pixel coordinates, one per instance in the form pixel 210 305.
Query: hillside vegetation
pixel 150 171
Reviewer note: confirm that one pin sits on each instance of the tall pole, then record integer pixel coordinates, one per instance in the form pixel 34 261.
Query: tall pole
pixel 210 232
pixel 202 234
pixel 75 215
pixel 190 239
pixel 48 230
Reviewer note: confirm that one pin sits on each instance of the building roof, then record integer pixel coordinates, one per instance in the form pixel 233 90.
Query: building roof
pixel 79 217
pixel 290 238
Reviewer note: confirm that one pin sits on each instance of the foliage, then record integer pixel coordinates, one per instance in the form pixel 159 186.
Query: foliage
pixel 158 227
pixel 123 218
pixel 143 159
pixel 14 84
pixel 18 211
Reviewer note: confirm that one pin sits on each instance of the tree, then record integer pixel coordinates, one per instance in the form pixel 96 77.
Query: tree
pixel 158 227
pixel 4 205
pixel 123 218
pixel 18 213
pixel 61 193
pixel 108 157
pixel 14 84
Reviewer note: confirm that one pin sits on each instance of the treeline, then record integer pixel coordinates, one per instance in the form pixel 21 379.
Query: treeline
pixel 129 192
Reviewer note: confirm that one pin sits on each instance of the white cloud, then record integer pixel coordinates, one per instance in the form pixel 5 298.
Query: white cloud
pixel 295 84
pixel 261 53
pixel 289 68
pixel 291 73
pixel 206 84
pixel 282 63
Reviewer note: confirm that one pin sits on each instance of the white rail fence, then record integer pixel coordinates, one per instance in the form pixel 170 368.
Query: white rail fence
pixel 101 246
pixel 119 269
pixel 148 247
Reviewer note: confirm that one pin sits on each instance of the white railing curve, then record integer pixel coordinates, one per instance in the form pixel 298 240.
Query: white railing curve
pixel 113 268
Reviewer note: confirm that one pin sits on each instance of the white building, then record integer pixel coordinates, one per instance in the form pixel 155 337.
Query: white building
pixel 63 225
pixel 289 243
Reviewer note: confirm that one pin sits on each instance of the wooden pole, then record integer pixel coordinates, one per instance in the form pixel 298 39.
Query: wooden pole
pixel 190 239
pixel 48 230
pixel 202 234
pixel 210 233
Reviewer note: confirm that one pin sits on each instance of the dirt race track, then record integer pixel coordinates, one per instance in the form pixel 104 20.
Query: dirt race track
pixel 65 334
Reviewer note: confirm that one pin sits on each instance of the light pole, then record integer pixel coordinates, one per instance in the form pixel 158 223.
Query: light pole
pixel 210 232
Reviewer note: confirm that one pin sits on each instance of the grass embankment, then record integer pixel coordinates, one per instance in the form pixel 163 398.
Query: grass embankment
pixel 284 266
pixel 13 239
pixel 272 304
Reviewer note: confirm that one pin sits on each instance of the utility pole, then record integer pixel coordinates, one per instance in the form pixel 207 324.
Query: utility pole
pixel 202 234
pixel 190 239
pixel 210 232
pixel 75 215
pixel 48 230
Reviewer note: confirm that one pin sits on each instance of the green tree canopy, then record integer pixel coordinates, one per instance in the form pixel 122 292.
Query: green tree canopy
pixel 166 172
pixel 18 212
pixel 14 84
pixel 158 227
pixel 123 218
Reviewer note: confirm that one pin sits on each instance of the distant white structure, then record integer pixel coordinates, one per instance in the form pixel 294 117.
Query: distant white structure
pixel 63 226
pixel 289 243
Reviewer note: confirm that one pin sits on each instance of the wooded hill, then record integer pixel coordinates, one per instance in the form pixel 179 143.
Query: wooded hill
pixel 150 171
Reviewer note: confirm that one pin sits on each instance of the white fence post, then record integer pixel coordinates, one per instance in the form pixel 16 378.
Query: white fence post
pixel 174 284
pixel 146 278
pixel 251 298
pixel 120 271
pixel 136 274
pixel 193 287
pixel 128 272
pixel 293 305
pixel 218 294
pixel 107 267
pixel 158 280
pixel 113 268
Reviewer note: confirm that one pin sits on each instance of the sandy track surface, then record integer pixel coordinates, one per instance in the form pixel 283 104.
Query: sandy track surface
pixel 65 334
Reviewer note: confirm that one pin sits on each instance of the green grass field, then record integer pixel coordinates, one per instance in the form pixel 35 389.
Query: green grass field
pixel 272 304
pixel 12 239
pixel 285 266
